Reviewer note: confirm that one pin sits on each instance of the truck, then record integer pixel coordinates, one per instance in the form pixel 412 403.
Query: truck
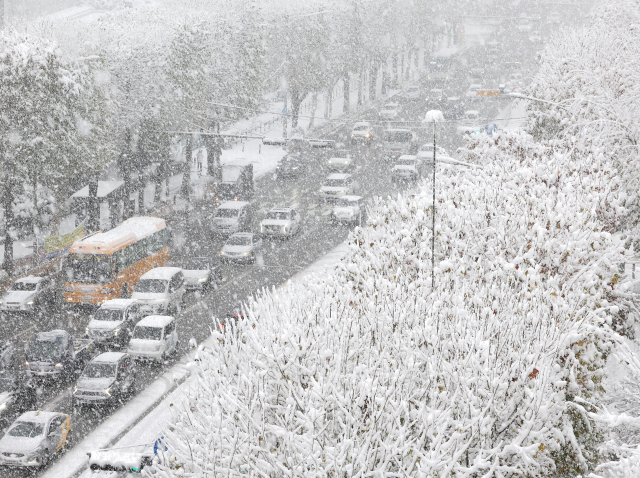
pixel 236 183
pixel 57 354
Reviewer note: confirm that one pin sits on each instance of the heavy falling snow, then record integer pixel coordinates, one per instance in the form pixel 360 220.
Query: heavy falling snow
pixel 319 239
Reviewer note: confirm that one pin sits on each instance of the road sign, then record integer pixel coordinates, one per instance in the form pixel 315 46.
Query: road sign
pixel 487 92
pixel 285 111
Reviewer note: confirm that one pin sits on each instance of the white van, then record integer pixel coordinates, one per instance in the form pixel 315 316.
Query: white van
pixel 160 291
pixel 154 338
pixel 231 217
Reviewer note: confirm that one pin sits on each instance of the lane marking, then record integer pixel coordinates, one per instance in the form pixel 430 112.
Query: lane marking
pixel 23 332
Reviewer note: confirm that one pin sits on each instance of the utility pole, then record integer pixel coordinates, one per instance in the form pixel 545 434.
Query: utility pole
pixel 433 116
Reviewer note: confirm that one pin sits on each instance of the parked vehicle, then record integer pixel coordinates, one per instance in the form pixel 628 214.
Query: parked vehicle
pixel 232 216
pixel 113 322
pixel 109 377
pixel 241 247
pixel 17 395
pixel 337 185
pixel 348 209
pixel 237 182
pixel 281 222
pixel 160 291
pixel 397 142
pixel 407 168
pixel 154 338
pixel 56 354
pixel 202 273
pixel 34 439
pixel 28 294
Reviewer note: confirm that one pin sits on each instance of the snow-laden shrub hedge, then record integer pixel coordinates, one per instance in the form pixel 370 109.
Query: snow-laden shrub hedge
pixel 371 372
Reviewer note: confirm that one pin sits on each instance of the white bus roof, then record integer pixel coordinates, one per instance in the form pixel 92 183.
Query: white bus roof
pixel 130 231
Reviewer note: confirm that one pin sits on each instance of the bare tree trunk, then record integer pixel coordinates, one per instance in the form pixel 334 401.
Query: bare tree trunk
pixel 345 93
pixel 186 171
pixel 373 80
pixel 314 106
pixel 7 203
pixel 35 220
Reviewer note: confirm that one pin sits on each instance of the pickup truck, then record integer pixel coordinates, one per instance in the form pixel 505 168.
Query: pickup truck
pixel 56 354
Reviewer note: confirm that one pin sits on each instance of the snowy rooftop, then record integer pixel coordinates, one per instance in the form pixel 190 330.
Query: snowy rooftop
pixel 155 321
pixel 117 303
pixel 233 205
pixel 109 357
pixel 164 273
pixel 130 231
pixel 38 416
pixel 104 189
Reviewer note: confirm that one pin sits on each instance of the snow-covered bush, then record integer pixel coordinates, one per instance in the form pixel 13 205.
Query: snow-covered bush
pixel 369 371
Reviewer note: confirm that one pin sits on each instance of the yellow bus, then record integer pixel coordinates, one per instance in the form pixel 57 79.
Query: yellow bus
pixel 108 264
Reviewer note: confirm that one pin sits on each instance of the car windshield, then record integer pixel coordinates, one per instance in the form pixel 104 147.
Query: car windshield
pixel 26 429
pixel 390 107
pixel 398 136
pixel 24 286
pixel 147 333
pixel 342 153
pixel 197 264
pixel 435 94
pixel 99 370
pixel 361 127
pixel 426 147
pixel 239 241
pixel 336 183
pixel 111 315
pixel 89 268
pixel 224 212
pixel 413 89
pixel 345 203
pixel 406 162
pixel 45 349
pixel 277 215
pixel 151 286
pixel 6 385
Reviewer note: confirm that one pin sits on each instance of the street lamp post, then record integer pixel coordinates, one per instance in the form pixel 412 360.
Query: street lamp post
pixel 433 116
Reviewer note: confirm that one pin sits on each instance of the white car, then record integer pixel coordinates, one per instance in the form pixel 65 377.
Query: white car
pixel 525 26
pixel 26 294
pixel 113 322
pixel 34 438
pixel 202 273
pixel 337 185
pixel 426 151
pixel 407 168
pixel 241 247
pixel 472 92
pixel 362 131
pixel 390 111
pixel 109 377
pixel 341 161
pixel 160 291
pixel 154 338
pixel 281 221
pixel 348 209
pixel 412 92
pixel 231 216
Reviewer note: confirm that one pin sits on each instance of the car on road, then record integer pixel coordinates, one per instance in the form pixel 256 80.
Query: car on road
pixel 6 354
pixel 34 439
pixel 56 354
pixel 160 291
pixel 471 123
pixel 28 294
pixel 426 151
pixel 17 395
pixel 292 165
pixel 472 92
pixel 112 323
pixel 362 132
pixel 348 209
pixel 108 378
pixel 525 26
pixel 535 37
pixel 412 93
pixel 154 339
pixel 435 98
pixel 232 216
pixel 281 222
pixel 337 185
pixel 396 142
pixel 390 111
pixel 341 160
pixel 202 273
pixel 453 107
pixel 241 247
pixel 407 168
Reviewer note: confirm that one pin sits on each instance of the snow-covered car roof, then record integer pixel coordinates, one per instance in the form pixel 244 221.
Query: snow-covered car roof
pixel 164 273
pixel 38 416
pixel 233 205
pixel 242 234
pixel 408 156
pixel 117 303
pixel 339 176
pixel 52 335
pixel 472 112
pixel 350 198
pixel 361 123
pixel 155 321
pixel 30 279
pixel 392 105
pixel 109 357
pixel 475 86
pixel 281 209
